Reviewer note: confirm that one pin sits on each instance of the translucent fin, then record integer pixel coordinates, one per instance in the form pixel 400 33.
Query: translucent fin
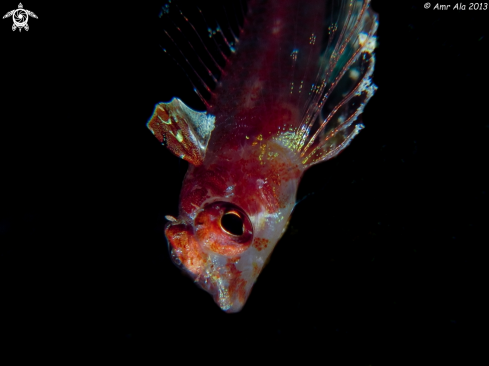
pixel 184 131
pixel 200 44
pixel 343 87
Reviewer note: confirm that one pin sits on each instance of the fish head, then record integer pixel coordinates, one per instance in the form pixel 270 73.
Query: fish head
pixel 211 248
pixel 236 199
pixel 226 230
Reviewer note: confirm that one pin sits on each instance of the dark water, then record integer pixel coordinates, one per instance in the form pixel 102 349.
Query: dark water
pixel 384 253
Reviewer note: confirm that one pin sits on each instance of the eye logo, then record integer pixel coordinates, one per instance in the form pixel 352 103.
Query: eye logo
pixel 20 17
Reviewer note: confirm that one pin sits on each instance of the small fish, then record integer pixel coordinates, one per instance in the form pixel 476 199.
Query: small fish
pixel 290 96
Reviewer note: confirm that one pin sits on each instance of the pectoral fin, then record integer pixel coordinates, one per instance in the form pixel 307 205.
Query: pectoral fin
pixel 345 83
pixel 184 131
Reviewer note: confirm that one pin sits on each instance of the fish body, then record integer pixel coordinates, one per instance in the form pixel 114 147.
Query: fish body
pixel 289 97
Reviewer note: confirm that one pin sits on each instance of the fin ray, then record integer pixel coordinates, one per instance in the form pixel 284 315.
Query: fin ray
pixel 205 52
pixel 331 119
pixel 184 131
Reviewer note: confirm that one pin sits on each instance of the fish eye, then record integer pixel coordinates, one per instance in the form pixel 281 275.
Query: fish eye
pixel 232 223
pixel 223 228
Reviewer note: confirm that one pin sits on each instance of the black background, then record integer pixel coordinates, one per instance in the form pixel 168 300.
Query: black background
pixel 384 255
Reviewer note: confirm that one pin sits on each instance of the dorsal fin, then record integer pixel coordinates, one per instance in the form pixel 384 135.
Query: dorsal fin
pixel 201 41
pixel 184 131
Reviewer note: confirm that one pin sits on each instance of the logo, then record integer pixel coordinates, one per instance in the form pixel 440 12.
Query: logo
pixel 20 17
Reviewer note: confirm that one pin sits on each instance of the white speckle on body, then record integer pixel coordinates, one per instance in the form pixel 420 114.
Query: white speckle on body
pixel 179 136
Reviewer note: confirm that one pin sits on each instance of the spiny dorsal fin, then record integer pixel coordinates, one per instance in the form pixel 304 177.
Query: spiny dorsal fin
pixel 201 42
pixel 184 131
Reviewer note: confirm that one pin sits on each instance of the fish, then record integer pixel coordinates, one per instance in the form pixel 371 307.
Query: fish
pixel 295 81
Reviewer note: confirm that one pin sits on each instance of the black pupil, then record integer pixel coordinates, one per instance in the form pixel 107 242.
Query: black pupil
pixel 232 223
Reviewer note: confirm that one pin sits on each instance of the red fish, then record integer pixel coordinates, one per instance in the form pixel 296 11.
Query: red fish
pixel 290 96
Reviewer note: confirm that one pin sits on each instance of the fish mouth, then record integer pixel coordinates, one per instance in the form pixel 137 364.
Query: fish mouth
pixel 229 292
pixel 228 297
pixel 214 273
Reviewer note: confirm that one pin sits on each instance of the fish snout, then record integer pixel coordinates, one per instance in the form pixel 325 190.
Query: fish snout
pixel 185 252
